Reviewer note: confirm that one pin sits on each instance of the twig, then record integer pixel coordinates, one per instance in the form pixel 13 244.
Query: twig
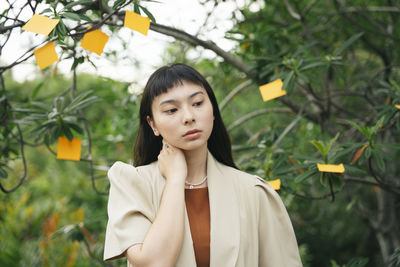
pixel 315 197
pixel 86 126
pixel 288 128
pixel 234 92
pixel 181 35
pixel 21 139
pixel 384 185
pixel 255 114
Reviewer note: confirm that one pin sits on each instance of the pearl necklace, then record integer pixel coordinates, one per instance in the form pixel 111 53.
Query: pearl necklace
pixel 193 185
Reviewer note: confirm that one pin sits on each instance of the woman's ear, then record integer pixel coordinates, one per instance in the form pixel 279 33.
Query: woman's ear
pixel 152 125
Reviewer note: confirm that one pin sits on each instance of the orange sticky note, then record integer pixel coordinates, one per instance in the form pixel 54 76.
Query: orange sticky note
pixel 272 90
pixel 331 168
pixel 137 22
pixel 40 24
pixel 70 150
pixel 46 55
pixel 94 41
pixel 397 106
pixel 276 184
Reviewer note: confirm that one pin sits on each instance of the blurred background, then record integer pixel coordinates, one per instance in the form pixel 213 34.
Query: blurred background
pixel 339 63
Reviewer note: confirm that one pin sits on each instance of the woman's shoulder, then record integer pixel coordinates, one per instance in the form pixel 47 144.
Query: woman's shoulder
pixel 248 180
pixel 242 177
pixel 125 171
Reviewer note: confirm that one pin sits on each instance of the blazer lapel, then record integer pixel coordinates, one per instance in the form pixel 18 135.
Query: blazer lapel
pixel 224 214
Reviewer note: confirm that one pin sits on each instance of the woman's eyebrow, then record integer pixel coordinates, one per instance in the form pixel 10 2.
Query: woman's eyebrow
pixel 174 101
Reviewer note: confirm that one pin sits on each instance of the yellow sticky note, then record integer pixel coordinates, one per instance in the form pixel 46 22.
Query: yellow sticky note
pixel 46 55
pixel 272 90
pixel 136 22
pixel 70 150
pixel 276 184
pixel 397 106
pixel 94 41
pixel 331 168
pixel 40 24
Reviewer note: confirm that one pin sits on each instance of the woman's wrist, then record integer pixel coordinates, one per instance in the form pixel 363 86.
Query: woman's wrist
pixel 176 181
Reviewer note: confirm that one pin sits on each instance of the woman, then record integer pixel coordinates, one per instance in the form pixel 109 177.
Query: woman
pixel 186 203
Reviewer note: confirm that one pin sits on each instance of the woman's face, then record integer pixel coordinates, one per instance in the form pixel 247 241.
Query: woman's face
pixel 183 108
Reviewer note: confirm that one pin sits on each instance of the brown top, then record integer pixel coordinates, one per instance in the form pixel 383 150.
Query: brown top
pixel 198 210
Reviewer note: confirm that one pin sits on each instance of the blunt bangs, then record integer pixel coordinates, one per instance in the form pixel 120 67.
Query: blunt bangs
pixel 168 77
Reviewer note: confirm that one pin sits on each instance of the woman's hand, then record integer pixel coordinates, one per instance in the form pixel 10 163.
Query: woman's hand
pixel 172 163
pixel 164 239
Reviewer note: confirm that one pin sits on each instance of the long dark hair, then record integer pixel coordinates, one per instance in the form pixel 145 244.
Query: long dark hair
pixel 148 146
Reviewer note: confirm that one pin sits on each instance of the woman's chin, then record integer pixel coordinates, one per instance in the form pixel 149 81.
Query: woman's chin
pixel 190 147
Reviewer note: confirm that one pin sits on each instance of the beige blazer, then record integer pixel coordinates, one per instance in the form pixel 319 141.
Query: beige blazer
pixel 249 223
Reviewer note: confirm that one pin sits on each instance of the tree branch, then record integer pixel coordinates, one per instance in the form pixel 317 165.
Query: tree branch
pixel 183 36
pixel 234 92
pixel 255 114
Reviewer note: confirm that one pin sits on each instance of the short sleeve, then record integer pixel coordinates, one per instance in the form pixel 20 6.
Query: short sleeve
pixel 277 240
pixel 130 209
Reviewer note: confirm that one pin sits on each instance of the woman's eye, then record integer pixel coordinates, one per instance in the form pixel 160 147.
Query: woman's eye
pixel 198 103
pixel 170 111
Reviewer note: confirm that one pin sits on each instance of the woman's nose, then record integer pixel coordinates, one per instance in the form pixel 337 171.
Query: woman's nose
pixel 188 116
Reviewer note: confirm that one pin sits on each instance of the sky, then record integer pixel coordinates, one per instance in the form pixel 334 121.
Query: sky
pixel 143 54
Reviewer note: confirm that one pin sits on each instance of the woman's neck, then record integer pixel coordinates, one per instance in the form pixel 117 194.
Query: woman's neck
pixel 196 161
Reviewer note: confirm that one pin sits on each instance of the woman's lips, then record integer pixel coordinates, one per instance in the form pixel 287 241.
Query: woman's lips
pixel 192 135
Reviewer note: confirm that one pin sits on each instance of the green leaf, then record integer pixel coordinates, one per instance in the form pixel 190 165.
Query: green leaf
pixel 24 110
pixel 306 174
pixel 347 43
pixel 367 152
pixel 67 132
pixel 35 117
pixel 56 133
pixel 238 148
pixel 353 170
pixel 303 48
pixel 85 18
pixel 83 104
pixel 3 173
pixel 48 124
pixel 346 150
pixel 303 157
pixel 331 142
pixel 136 8
pixel 62 28
pixel 377 125
pixel 75 3
pixel 379 161
pixel 395 85
pixel 81 96
pixel 147 12
pixel 118 3
pixel 59 104
pixel 303 78
pixel 318 145
pixel 47 10
pixel 287 84
pixel 357 262
pixel 70 15
pixel 286 169
pixel 46 140
pixel 37 89
pixel 75 127
pixel 313 65
pixel 323 179
pixel 41 105
pixel 359 128
pixel 77 61
pixel 398 124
